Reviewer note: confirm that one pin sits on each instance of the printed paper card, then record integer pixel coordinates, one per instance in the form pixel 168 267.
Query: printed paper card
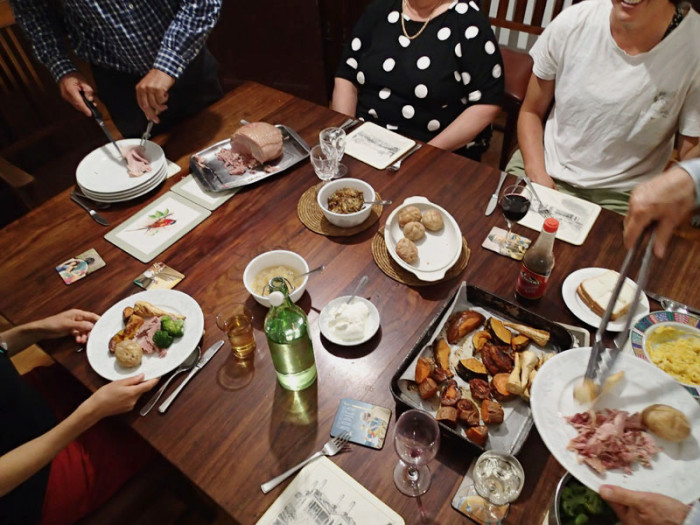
pixel 469 503
pixel 576 216
pixel 157 227
pixel 366 423
pixel 376 146
pixel 324 493
pixel 190 189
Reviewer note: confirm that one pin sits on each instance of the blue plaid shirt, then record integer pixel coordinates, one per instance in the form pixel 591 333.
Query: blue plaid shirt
pixel 132 36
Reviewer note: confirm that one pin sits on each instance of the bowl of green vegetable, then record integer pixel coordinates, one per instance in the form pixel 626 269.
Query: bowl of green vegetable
pixel 576 504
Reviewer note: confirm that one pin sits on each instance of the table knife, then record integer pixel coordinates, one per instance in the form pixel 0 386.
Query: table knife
pixel 211 351
pixel 146 134
pixel 99 219
pixel 494 198
pixel 97 115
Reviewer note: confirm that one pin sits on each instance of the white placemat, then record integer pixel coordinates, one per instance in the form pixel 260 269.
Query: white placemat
pixel 158 226
pixel 190 189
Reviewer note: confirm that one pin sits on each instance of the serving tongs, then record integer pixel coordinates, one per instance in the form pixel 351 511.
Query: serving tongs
pixel 601 362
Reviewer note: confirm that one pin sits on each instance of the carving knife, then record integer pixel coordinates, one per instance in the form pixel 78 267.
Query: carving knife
pixel 494 198
pixel 211 352
pixel 97 115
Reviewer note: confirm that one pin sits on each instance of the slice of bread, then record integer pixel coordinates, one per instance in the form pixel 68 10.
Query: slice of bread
pixel 596 292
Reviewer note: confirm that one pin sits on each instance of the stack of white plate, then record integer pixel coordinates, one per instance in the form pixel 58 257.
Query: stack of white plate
pixel 102 175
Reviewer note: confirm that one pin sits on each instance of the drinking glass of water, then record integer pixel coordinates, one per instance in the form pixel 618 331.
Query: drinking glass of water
pixel 416 440
pixel 332 142
pixel 498 477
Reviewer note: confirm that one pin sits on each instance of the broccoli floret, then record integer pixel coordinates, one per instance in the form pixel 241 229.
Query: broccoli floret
pixel 172 326
pixel 162 339
pixel 593 503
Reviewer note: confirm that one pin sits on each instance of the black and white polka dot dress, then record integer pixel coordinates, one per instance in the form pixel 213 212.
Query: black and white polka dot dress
pixel 418 87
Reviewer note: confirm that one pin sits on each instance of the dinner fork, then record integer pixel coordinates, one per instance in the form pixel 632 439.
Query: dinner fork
pixel 541 209
pixel 331 448
pixel 397 165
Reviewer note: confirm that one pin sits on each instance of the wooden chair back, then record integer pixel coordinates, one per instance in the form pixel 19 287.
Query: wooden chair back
pixel 36 124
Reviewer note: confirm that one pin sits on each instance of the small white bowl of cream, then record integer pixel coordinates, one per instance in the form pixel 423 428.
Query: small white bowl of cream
pixel 349 324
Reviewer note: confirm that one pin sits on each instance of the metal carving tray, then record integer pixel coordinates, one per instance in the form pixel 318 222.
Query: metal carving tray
pixel 213 175
pixel 510 435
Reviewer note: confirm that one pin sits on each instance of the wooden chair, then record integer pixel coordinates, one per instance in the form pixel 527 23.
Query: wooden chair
pixel 522 17
pixel 36 125
pixel 17 192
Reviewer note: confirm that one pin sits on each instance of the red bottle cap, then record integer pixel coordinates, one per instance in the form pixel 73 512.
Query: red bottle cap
pixel 551 225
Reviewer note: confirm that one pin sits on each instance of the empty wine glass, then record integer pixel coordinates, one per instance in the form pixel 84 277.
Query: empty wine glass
pixel 416 440
pixel 324 165
pixel 515 202
pixel 332 141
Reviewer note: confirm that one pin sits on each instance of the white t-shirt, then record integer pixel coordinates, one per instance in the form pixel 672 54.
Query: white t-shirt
pixel 615 115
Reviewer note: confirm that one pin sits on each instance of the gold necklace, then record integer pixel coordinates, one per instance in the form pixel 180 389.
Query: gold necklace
pixel 425 24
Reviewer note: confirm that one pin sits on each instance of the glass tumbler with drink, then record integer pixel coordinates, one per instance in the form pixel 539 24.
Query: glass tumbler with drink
pixel 416 440
pixel 237 323
pixel 498 477
pixel 515 203
pixel 287 331
pixel 332 142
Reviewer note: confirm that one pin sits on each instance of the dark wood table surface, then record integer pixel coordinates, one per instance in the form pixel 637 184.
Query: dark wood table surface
pixel 228 442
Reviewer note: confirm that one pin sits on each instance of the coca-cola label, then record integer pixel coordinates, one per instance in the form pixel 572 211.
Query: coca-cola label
pixel 531 285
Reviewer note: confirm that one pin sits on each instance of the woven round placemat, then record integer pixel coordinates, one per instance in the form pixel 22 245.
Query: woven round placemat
pixel 396 272
pixel 312 217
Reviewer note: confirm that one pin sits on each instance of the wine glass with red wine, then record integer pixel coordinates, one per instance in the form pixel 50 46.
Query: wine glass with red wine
pixel 515 202
pixel 416 440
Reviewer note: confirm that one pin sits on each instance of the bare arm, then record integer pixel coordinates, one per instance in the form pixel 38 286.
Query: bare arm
pixel 77 323
pixel 539 96
pixel 21 463
pixel 667 198
pixel 344 97
pixel 465 127
pixel 688 147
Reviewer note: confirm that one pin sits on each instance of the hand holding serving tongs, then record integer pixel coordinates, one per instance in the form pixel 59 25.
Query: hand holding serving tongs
pixel 599 365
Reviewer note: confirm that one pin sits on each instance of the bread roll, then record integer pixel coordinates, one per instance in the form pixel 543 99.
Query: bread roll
pixel 408 214
pixel 414 231
pixel 432 220
pixel 407 250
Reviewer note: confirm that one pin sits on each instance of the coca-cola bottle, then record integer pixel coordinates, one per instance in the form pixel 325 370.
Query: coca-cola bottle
pixel 537 265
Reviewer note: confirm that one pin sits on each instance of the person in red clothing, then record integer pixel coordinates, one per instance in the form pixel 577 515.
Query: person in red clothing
pixel 59 457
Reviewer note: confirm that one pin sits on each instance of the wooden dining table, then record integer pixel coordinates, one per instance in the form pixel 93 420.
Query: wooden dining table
pixel 229 439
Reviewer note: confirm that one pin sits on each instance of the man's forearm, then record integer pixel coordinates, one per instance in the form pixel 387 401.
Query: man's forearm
pixel 21 463
pixel 531 141
pixel 39 23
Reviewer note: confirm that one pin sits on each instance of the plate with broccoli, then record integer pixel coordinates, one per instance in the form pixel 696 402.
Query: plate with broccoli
pixel 151 332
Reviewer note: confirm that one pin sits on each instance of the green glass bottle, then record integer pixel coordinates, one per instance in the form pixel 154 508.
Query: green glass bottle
pixel 287 331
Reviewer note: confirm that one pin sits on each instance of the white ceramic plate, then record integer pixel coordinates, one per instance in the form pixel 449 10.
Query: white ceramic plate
pixel 101 197
pixel 437 251
pixel 103 171
pixel 674 469
pixel 585 314
pixel 150 181
pixel 104 363
pixel 370 328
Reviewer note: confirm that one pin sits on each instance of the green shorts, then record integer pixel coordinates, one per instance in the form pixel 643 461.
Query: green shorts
pixel 613 200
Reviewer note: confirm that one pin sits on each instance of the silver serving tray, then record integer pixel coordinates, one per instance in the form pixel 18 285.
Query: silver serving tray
pixel 213 175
